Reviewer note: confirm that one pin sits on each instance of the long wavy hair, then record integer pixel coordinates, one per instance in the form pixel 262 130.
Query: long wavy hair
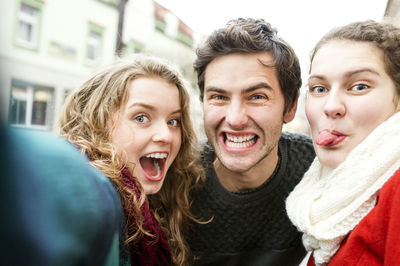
pixel 87 120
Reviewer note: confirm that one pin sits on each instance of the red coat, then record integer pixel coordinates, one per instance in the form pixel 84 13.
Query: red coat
pixel 376 239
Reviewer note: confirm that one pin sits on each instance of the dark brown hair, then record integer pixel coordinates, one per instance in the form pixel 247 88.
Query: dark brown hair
pixel 252 36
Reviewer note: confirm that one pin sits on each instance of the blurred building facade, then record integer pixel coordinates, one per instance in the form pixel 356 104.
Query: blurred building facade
pixel 49 47
pixel 392 12
pixel 150 28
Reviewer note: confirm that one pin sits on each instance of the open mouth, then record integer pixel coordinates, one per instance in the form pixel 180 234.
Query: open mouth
pixel 239 141
pixel 153 165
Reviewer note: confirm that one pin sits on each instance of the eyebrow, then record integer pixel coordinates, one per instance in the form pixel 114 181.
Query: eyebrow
pixel 214 89
pixel 249 89
pixel 144 105
pixel 349 73
pixel 150 107
pixel 261 85
pixel 179 111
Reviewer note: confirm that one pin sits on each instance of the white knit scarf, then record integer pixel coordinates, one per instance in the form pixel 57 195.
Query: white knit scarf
pixel 328 203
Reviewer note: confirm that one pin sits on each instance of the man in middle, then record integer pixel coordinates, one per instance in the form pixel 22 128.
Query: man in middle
pixel 249 82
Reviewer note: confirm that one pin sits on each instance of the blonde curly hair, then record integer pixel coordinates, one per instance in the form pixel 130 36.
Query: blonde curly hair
pixel 87 120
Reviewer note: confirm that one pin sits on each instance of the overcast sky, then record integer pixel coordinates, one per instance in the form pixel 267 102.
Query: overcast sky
pixel 300 22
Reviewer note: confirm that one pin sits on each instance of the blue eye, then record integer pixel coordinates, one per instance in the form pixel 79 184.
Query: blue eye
pixel 317 90
pixel 141 119
pixel 359 87
pixel 174 122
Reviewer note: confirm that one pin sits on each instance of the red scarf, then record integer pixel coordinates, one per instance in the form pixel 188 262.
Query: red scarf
pixel 146 250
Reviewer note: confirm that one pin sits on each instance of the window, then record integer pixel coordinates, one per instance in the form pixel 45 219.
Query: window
pixel 28 26
pixel 93 46
pixel 18 106
pixel 94 43
pixel 133 47
pixel 160 25
pixel 185 34
pixel 172 25
pixel 30 105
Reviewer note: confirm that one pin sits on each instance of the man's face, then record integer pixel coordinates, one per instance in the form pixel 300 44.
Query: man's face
pixel 243 110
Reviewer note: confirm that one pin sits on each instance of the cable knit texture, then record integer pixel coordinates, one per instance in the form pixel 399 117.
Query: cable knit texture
pixel 249 221
pixel 328 203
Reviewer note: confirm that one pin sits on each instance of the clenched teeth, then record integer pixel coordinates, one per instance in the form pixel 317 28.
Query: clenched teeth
pixel 239 139
pixel 240 142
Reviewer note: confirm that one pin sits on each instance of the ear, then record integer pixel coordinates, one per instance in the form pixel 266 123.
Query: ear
pixel 289 116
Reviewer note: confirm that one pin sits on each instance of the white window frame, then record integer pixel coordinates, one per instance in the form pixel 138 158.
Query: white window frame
pixel 95 43
pixel 33 21
pixel 30 91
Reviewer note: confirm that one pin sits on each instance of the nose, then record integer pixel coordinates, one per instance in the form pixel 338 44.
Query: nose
pixel 162 133
pixel 236 116
pixel 334 106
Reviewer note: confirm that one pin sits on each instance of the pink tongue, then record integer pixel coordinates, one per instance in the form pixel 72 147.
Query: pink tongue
pixel 148 166
pixel 325 137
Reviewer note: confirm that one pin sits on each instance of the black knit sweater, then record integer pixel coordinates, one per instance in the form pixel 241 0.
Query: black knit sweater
pixel 251 228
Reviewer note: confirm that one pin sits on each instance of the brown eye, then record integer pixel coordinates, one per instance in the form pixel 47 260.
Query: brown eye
pixel 258 97
pixel 218 97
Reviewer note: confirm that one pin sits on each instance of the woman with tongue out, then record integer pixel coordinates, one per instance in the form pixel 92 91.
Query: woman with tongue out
pixel 132 121
pixel 348 203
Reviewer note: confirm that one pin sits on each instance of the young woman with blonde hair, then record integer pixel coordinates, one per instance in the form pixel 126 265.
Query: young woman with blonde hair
pixel 132 120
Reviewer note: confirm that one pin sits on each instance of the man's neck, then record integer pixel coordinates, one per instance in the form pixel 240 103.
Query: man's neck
pixel 247 180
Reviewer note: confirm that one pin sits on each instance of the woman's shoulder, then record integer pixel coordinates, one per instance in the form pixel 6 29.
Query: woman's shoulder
pixel 396 176
pixel 392 186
